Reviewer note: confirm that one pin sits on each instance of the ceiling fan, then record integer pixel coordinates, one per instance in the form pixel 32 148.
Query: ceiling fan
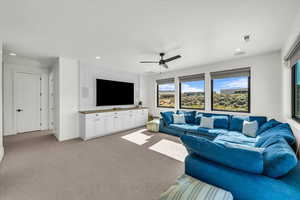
pixel 163 62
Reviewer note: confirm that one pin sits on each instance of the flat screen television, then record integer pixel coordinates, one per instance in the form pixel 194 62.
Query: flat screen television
pixel 112 93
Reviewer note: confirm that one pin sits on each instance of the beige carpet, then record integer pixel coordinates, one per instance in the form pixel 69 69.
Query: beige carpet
pixel 133 165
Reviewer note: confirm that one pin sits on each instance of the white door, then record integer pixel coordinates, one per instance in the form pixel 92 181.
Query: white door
pixel 27 88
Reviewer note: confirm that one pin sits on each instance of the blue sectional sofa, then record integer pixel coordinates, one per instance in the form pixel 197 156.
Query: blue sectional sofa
pixel 251 168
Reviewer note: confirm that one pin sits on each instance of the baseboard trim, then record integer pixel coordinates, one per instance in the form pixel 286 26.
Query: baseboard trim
pixel 1 154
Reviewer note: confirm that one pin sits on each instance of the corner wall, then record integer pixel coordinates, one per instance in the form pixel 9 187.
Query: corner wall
pixel 266 79
pixel 286 74
pixel 67 116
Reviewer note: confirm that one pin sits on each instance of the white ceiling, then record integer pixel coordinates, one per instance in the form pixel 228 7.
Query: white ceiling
pixel 125 32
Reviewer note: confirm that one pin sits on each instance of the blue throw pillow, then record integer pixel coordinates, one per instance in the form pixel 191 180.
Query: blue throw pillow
pixel 269 124
pixel 283 130
pixel 243 159
pixel 189 116
pixel 260 120
pixel 279 157
pixel 167 117
pixel 236 123
pixel 198 118
pixel 221 121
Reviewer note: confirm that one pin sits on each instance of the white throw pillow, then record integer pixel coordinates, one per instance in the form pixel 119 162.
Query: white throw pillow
pixel 250 128
pixel 179 118
pixel 207 122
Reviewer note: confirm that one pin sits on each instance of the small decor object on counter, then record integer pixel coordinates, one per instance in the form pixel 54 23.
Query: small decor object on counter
pixel 153 125
pixel 140 104
pixel 188 188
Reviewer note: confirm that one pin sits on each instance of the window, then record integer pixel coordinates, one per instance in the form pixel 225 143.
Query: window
pixel 192 94
pixel 296 91
pixel 166 93
pixel 231 90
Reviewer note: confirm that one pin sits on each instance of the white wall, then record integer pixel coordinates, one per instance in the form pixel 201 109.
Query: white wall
pixel 11 66
pixel 67 72
pixel 266 82
pixel 88 75
pixel 286 75
pixel 1 103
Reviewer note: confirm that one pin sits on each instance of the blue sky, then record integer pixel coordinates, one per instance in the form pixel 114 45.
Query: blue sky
pixel 198 86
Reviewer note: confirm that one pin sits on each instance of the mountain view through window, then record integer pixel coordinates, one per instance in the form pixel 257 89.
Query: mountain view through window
pixel 166 95
pixel 231 94
pixel 192 95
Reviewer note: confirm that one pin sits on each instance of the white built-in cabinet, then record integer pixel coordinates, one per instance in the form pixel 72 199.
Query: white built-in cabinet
pixel 103 123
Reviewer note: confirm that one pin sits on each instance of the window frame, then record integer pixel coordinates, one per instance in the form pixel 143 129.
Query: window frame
pixel 180 107
pixel 157 97
pixel 293 94
pixel 212 98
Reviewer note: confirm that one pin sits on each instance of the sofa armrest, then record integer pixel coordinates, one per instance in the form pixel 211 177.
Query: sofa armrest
pixel 244 185
pixel 238 158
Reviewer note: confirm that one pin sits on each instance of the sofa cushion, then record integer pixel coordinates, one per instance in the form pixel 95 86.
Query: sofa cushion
pixel 279 158
pixel 260 120
pixel 243 159
pixel 189 116
pixel 236 138
pixel 236 122
pixel 220 120
pixel 282 130
pixel 167 117
pixel 198 118
pixel 185 127
pixel 266 126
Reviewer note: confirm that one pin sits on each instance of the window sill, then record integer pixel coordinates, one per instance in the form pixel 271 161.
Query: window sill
pixel 192 108
pixel 232 111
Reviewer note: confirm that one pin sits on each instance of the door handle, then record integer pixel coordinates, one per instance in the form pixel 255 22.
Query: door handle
pixel 19 110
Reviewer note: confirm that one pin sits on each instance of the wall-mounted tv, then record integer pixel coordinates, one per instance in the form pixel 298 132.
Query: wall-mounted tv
pixel 113 93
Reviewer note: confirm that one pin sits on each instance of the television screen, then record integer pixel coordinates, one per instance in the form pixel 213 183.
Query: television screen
pixel 110 93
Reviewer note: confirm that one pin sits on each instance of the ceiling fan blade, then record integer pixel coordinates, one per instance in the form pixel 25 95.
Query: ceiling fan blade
pixel 172 58
pixel 165 65
pixel 149 62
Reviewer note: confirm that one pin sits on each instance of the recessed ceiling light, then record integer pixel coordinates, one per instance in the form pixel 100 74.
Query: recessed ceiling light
pixel 98 57
pixel 12 54
pixel 238 50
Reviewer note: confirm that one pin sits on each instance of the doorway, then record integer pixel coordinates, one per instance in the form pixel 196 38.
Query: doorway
pixel 27 102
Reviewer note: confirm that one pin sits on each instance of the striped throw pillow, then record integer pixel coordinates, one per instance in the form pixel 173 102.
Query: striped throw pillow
pixel 188 188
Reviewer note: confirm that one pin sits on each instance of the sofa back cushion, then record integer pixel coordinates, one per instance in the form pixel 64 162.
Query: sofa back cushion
pixel 167 117
pixel 220 120
pixel 198 117
pixel 279 157
pixel 284 130
pixel 189 116
pixel 236 122
pixel 266 126
pixel 238 158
